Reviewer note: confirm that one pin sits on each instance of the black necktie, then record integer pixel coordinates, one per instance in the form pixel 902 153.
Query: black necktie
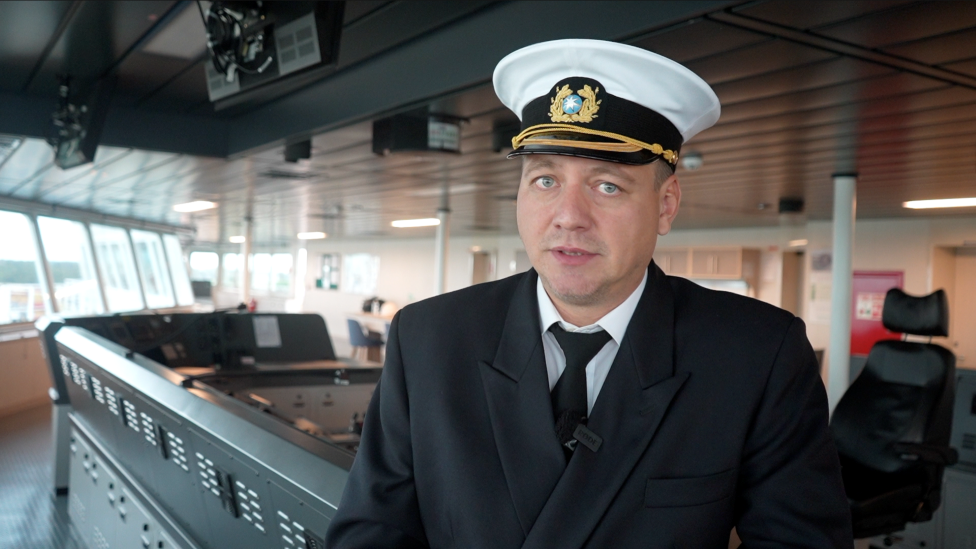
pixel 569 394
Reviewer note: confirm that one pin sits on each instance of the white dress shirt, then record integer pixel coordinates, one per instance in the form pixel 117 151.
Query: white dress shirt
pixel 615 323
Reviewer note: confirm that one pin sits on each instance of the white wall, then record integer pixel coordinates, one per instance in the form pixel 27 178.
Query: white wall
pixel 406 273
pixel 407 265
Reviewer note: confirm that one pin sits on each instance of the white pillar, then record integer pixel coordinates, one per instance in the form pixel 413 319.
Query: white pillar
pixel 839 356
pixel 246 260
pixel 440 250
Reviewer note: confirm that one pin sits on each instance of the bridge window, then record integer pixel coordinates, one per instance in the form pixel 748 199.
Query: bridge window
pixel 153 269
pixel 72 267
pixel 118 268
pixel 21 291
pixel 177 266
pixel 203 266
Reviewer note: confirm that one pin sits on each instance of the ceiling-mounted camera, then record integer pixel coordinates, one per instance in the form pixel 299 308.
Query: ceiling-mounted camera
pixel 239 37
pixel 78 120
pixel 261 50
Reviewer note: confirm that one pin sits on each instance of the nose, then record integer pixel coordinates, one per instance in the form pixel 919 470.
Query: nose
pixel 573 207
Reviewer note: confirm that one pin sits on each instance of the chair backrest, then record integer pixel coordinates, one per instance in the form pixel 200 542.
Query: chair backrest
pixel 357 338
pixel 904 393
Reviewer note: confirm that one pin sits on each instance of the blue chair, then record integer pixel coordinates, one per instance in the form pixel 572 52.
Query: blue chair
pixel 362 344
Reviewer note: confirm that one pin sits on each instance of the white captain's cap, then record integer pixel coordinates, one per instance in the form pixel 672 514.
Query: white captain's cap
pixel 603 100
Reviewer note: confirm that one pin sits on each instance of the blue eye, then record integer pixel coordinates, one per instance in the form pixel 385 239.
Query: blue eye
pixel 609 188
pixel 545 182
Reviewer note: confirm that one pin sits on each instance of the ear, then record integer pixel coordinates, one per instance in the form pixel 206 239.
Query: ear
pixel 669 198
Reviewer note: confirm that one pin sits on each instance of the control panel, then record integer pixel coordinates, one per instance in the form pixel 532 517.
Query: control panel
pixel 155 464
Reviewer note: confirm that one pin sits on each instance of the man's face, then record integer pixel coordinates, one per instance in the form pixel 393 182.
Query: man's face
pixel 590 227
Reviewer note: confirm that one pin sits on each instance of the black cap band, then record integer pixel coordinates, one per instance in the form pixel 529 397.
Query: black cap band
pixel 579 118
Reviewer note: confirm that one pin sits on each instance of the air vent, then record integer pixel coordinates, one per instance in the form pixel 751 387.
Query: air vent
pixel 968 441
pixel 298 45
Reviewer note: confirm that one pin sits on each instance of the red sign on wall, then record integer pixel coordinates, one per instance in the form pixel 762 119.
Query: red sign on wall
pixel 869 289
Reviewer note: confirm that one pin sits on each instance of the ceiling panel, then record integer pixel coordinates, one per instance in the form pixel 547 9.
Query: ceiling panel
pixel 965 67
pixel 810 15
pixel 832 71
pixel 25 30
pixel 98 35
pixel 697 39
pixel 904 24
pixel 764 57
pixel 940 49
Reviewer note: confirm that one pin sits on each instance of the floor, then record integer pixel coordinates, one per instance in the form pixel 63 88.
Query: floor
pixel 30 516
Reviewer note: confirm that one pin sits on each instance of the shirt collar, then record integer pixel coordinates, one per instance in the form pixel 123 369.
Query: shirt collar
pixel 615 322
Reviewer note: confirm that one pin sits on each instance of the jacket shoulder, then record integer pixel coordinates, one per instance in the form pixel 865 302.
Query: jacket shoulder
pixel 485 303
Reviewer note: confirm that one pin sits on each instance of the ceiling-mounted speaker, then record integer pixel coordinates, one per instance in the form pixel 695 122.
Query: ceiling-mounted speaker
pixel 298 151
pixel 415 131
pixel 790 205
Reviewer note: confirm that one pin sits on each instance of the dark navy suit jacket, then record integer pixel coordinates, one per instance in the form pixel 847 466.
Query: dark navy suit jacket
pixel 713 415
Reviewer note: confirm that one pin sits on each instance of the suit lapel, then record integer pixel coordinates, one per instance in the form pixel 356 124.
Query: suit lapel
pixel 517 389
pixel 631 405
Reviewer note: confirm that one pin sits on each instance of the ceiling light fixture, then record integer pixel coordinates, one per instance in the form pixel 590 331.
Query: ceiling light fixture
pixel 195 206
pixel 941 203
pixel 238 239
pixel 797 243
pixel 312 235
pixel 426 222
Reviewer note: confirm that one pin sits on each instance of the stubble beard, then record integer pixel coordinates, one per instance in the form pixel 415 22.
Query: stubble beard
pixel 583 297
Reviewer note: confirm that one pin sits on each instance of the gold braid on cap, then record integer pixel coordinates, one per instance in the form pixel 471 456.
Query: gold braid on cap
pixel 627 144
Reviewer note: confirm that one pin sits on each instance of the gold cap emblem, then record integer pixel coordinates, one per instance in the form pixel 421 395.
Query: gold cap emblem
pixel 567 107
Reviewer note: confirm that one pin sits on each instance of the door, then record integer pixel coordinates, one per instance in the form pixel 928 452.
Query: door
pixel 962 309
pixel 482 267
pixel 869 289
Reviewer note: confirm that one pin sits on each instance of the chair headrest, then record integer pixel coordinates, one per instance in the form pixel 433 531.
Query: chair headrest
pixel 926 315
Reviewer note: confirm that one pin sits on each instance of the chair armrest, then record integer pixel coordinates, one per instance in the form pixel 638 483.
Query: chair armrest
pixel 939 455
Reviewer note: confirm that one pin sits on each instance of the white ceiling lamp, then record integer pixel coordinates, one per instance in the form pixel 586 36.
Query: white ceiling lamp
pixel 317 235
pixel 426 222
pixel 798 243
pixel 238 239
pixel 195 206
pixel 692 160
pixel 941 203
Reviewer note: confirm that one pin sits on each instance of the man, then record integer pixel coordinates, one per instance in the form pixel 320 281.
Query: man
pixel 594 401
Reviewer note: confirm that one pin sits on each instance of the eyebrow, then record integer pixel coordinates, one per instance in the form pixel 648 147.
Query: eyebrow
pixel 610 169
pixel 606 168
pixel 537 163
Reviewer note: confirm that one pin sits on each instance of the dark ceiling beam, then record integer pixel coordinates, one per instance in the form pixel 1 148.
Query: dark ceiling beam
pixel 53 41
pixel 813 40
pixel 124 127
pixel 457 57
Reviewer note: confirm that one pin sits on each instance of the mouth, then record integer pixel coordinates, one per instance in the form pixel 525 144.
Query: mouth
pixel 572 256
pixel 571 251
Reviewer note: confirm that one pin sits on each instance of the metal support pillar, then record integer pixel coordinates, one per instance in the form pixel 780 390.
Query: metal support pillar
pixel 839 357
pixel 441 241
pixel 246 260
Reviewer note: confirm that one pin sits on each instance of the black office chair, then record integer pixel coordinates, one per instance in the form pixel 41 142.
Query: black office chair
pixel 892 425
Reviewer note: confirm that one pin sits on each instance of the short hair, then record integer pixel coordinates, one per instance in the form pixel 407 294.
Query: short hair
pixel 662 171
